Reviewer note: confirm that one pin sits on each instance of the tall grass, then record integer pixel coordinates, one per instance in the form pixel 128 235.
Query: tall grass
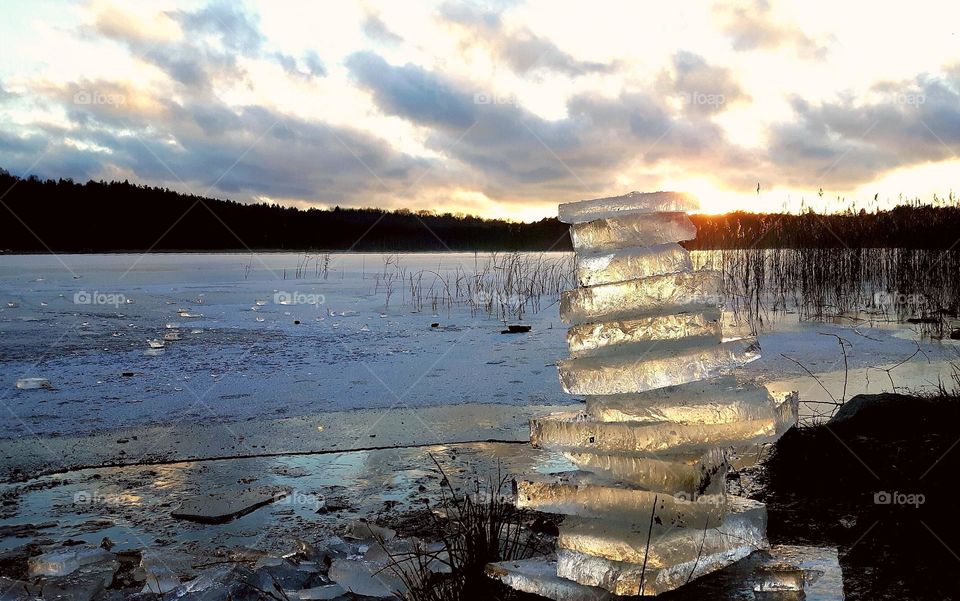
pixel 480 526
pixel 501 285
pixel 899 283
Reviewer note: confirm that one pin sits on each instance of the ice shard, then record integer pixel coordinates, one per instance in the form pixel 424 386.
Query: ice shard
pixel 633 202
pixel 632 231
pixel 604 267
pixel 625 373
pixel 592 338
pixel 644 297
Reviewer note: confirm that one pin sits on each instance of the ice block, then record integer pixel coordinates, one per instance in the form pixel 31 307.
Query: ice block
pixel 632 231
pixel 645 297
pixel 632 202
pixel 571 432
pixel 743 522
pixel 591 338
pixel 618 374
pixel 675 475
pixel 604 267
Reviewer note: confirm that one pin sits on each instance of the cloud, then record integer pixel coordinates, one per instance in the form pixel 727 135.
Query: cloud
pixel 704 88
pixel 522 50
pixel 752 26
pixel 412 92
pixel 376 29
pixel 848 142
pixel 511 152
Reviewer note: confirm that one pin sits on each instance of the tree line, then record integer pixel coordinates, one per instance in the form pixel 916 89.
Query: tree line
pixel 97 216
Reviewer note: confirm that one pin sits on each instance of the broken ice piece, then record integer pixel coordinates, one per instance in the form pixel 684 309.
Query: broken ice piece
pixel 219 508
pixel 794 568
pixel 644 297
pixel 363 530
pixel 538 576
pixel 633 202
pixel 632 231
pixel 65 561
pixel 318 593
pixel 618 374
pixel 715 401
pixel 34 384
pixel 629 264
pixel 670 474
pixel 588 338
pixel 572 432
pixel 579 494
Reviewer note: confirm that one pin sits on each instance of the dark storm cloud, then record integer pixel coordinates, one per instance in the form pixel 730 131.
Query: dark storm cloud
pixel 524 51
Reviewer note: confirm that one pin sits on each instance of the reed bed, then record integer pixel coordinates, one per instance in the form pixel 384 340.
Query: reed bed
pixel 502 285
pixel 919 285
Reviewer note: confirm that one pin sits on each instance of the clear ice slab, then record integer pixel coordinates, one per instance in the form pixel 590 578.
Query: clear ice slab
pixel 632 231
pixel 640 372
pixel 676 475
pixel 593 338
pixel 660 546
pixel 715 401
pixel 633 202
pixel 580 495
pixel 645 297
pixel 575 432
pixel 595 268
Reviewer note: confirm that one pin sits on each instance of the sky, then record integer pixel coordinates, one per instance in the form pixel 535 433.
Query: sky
pixel 500 109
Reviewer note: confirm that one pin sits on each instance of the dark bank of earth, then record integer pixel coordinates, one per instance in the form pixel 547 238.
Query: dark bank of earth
pixel 878 482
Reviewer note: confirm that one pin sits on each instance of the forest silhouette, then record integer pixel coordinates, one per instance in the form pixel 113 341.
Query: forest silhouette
pixel 97 216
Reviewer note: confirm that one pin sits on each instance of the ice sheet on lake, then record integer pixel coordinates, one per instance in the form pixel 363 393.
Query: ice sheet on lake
pixel 567 432
pixel 644 297
pixel 618 374
pixel 633 202
pixel 631 231
pixel 587 338
pixel 606 267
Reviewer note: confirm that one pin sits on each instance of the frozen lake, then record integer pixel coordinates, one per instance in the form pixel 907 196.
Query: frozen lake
pixel 266 339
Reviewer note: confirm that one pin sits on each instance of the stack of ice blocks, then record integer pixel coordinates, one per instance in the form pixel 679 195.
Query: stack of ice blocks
pixel 647 510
